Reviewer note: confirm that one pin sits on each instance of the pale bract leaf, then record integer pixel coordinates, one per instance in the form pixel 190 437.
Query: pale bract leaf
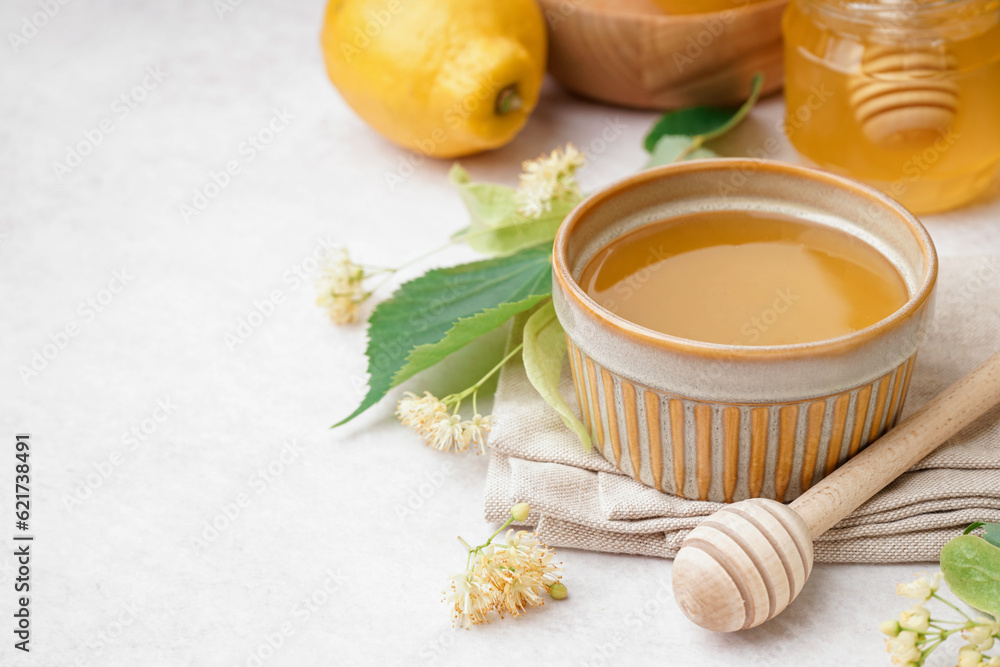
pixel 670 148
pixel 495 226
pixel 543 354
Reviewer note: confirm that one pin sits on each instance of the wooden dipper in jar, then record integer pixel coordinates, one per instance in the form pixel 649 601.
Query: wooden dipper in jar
pixel 903 96
pixel 744 564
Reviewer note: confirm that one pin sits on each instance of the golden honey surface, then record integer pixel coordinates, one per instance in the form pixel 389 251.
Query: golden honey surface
pixel 743 279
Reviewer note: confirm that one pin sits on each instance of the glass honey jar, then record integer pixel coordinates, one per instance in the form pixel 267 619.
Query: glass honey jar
pixel 702 6
pixel 901 94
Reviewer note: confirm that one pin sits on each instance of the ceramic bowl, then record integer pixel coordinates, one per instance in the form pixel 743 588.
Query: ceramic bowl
pixel 728 422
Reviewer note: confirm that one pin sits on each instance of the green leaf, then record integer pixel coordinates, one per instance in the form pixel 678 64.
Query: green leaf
pixel 495 227
pixel 670 148
pixel 991 532
pixel 971 567
pixel 702 123
pixel 543 354
pixel 687 123
pixel 430 317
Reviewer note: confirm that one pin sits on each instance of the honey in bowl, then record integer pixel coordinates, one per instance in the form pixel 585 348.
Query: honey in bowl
pixel 738 278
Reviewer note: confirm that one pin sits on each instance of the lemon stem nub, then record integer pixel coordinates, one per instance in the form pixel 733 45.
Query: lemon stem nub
pixel 508 100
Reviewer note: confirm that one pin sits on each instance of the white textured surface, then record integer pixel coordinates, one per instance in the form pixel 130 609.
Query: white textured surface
pixel 340 504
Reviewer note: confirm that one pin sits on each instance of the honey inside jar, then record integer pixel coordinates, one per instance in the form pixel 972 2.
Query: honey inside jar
pixel 901 94
pixel 744 279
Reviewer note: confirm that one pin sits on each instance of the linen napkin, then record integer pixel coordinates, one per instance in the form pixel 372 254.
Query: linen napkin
pixel 578 499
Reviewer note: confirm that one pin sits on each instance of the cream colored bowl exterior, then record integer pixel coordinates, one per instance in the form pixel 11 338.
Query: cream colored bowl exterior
pixel 725 422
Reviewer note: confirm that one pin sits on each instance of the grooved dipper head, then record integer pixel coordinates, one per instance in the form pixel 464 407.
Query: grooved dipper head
pixel 743 565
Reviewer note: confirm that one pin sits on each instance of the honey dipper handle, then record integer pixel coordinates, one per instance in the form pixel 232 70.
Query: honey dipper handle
pixel 840 493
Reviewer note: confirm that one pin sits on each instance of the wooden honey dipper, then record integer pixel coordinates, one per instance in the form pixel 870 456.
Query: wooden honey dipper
pixel 904 96
pixel 746 563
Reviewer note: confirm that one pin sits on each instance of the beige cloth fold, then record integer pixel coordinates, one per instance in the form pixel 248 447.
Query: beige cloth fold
pixel 578 499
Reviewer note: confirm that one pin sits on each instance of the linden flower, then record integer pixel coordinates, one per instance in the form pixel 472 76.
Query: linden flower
pixel 505 578
pixel 340 288
pixel 917 619
pixel 903 648
pixel 548 178
pixel 469 600
pixel 445 432
pixel 970 656
pixel 474 433
pixel 419 412
pixel 921 589
pixel 429 417
pixel 982 634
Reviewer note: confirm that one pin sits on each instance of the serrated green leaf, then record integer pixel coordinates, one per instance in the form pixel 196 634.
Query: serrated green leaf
pixel 669 149
pixel 543 354
pixel 495 227
pixel 702 124
pixel 429 317
pixel 971 566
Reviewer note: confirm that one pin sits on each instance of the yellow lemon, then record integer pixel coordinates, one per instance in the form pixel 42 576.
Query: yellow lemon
pixel 443 77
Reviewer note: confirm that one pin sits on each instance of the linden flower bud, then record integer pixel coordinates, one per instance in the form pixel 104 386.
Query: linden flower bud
pixel 994 661
pixel 519 512
pixel 969 656
pixel 890 628
pixel 917 619
pixel 557 591
pixel 921 589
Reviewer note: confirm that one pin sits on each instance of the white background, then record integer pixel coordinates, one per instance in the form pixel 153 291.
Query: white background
pixel 353 503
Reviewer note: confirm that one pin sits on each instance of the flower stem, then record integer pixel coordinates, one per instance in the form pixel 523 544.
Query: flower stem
pixel 457 398
pixel 468 561
pixel 966 616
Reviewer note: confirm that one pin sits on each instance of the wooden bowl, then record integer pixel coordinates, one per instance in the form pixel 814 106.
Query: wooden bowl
pixel 631 53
